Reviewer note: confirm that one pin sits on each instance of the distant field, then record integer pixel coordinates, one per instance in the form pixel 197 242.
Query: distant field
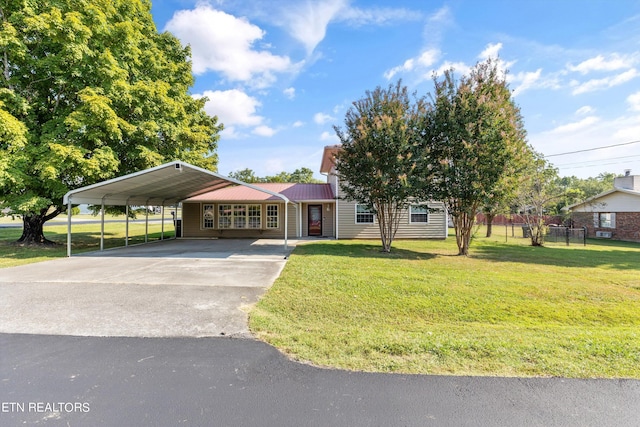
pixel 509 309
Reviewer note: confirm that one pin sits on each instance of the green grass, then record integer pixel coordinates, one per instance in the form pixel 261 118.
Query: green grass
pixel 509 309
pixel 85 237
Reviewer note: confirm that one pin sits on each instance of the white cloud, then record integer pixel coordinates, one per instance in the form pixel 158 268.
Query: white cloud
pixel 298 124
pixel 606 82
pixel 600 63
pixel 307 21
pixel 459 68
pixel 425 59
pixel 223 43
pixel 376 16
pixel 491 51
pixel 576 126
pixel 321 118
pixel 585 110
pixel 263 130
pixel 634 102
pixel 525 80
pixel 329 136
pixel 290 92
pixel 233 107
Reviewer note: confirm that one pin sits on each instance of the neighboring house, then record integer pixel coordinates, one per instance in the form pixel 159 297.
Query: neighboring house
pixel 315 210
pixel 614 214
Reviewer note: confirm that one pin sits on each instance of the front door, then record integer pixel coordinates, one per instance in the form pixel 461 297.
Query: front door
pixel 315 220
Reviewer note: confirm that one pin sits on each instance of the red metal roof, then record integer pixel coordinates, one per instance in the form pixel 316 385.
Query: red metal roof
pixel 293 191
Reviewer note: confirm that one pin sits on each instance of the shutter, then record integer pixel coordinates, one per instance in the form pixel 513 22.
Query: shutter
pixel 613 220
pixel 596 220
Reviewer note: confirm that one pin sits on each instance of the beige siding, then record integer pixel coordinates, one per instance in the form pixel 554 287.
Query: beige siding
pixel 192 222
pixel 435 228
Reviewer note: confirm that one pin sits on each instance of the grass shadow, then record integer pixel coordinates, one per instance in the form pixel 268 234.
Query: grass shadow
pixel 620 255
pixel 359 250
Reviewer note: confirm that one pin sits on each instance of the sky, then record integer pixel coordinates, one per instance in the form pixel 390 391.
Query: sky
pixel 279 74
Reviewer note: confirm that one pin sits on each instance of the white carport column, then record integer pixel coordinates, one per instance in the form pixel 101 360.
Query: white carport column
pixel 102 224
pixel 286 224
pixel 126 223
pixel 146 222
pixel 69 227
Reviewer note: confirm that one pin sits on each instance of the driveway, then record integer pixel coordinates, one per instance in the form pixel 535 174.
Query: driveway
pixel 174 288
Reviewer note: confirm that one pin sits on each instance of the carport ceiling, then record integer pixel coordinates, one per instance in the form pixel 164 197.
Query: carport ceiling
pixel 166 184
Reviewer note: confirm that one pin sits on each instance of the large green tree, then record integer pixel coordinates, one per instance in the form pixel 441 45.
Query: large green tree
pixel 377 163
pixel 89 91
pixel 474 140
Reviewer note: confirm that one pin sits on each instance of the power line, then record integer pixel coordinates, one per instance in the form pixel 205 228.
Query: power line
pixel 593 149
pixel 596 160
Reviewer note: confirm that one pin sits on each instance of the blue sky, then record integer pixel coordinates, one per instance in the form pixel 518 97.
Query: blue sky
pixel 280 73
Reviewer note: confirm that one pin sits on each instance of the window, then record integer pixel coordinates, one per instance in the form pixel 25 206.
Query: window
pixel 272 216
pixel 239 216
pixel 364 215
pixel 606 220
pixel 207 216
pixel 224 216
pixel 254 216
pixel 418 214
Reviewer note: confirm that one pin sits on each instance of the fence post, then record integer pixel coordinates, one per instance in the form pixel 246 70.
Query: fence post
pixel 568 234
pixel 584 234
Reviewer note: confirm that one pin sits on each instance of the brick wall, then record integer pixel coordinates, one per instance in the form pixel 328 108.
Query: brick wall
pixel 627 225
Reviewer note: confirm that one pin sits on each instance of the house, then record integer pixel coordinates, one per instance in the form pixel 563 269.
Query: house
pixel 614 214
pixel 313 210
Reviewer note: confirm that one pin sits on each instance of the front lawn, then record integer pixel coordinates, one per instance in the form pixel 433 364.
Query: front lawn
pixel 85 237
pixel 509 309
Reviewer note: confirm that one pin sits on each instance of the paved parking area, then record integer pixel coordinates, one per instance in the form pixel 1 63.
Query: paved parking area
pixel 174 288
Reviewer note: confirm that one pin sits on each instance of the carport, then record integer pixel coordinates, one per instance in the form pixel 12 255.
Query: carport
pixel 163 185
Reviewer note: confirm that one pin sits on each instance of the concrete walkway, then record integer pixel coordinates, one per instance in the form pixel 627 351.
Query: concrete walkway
pixel 174 288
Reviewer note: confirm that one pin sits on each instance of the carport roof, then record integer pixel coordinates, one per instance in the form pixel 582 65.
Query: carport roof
pixel 161 185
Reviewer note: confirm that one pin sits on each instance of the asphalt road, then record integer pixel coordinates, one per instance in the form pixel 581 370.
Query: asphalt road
pixel 62 380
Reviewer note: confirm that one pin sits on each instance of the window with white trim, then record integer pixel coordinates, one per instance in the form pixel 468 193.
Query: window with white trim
pixel 418 214
pixel 272 216
pixel 207 216
pixel 239 216
pixel 224 216
pixel 606 220
pixel 254 215
pixel 364 214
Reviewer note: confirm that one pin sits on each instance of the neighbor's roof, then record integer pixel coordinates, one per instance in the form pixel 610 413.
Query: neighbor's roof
pixel 592 200
pixel 329 157
pixel 293 191
pixel 165 184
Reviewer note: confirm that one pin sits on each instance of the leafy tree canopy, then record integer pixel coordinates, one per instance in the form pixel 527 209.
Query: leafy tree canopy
pixel 377 163
pixel 89 91
pixel 475 144
pixel 302 175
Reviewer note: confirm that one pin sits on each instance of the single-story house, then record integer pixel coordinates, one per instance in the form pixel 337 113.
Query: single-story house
pixel 318 210
pixel 614 214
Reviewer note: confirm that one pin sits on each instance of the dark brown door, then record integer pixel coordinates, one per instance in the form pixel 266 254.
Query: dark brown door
pixel 315 220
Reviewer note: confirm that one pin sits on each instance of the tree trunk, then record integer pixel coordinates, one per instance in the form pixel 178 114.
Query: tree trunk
pixel 32 228
pixel 464 225
pixel 489 217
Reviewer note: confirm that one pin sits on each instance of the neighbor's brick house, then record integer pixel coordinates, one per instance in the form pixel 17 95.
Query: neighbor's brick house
pixel 613 214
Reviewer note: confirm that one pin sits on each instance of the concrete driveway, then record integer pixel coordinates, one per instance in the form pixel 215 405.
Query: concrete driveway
pixel 174 288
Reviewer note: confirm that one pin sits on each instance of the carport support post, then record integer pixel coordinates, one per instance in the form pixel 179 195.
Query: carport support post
pixel 102 225
pixel 162 227
pixel 146 222
pixel 286 224
pixel 126 224
pixel 69 227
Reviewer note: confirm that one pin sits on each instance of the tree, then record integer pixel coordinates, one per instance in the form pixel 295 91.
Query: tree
pixel 536 196
pixel 302 175
pixel 97 93
pixel 377 164
pixel 474 139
